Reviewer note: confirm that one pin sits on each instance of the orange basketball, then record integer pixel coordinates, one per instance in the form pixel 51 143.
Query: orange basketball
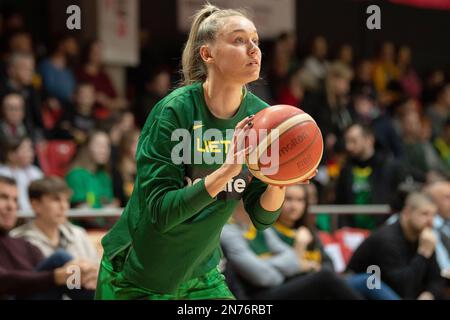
pixel 299 140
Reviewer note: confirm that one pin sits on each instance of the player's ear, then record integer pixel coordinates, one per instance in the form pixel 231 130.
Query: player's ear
pixel 205 54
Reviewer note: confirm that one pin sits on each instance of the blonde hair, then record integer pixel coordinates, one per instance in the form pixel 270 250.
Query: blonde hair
pixel 336 70
pixel 206 23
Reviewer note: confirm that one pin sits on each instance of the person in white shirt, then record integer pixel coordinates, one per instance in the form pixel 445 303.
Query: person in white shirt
pixel 51 230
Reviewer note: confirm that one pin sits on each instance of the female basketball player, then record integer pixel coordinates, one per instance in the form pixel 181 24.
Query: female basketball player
pixel 166 243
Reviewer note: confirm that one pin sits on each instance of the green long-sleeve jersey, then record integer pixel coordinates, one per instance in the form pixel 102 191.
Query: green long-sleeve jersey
pixel 170 229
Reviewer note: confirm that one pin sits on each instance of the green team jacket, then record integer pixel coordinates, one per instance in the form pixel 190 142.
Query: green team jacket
pixel 170 229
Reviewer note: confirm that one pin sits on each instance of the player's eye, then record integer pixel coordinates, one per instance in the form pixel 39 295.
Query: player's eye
pixel 256 41
pixel 239 40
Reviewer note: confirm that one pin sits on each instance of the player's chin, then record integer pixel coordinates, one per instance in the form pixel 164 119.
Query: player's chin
pixel 252 77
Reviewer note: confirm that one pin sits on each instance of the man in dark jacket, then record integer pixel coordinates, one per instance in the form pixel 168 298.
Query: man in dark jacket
pixel 368 177
pixel 405 252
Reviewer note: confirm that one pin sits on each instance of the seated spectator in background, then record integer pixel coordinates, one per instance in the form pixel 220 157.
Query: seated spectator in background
pixel 296 228
pixel 17 159
pixel 58 79
pixel 330 108
pixel 432 158
pixel 90 178
pixel 439 109
pixel 368 177
pixel 404 252
pixel 124 171
pixel 434 80
pixel 442 144
pixel 440 193
pixel 78 123
pixel 363 76
pixel 292 92
pixel 156 87
pixel 50 230
pixel 24 272
pixel 92 71
pixel 12 126
pixel 19 80
pixel 409 80
pixel 316 64
pixel 270 269
pixel 415 159
pixel 365 109
pixel 345 55
pixel 386 74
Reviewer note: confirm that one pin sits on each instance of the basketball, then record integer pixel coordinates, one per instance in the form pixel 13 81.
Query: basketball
pixel 300 145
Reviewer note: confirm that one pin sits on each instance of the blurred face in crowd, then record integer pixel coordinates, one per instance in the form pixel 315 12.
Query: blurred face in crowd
pixel 346 54
pixel 23 156
pixel 234 54
pixel 85 98
pixel 404 55
pixel 364 106
pixel 388 52
pixel 160 85
pixel 320 48
pixel 22 70
pixel 21 43
pixel 440 193
pixel 8 206
pixel 294 205
pixel 417 219
pixel 99 148
pixel 95 54
pixel 444 96
pixel 411 125
pixel 365 71
pixel 51 209
pixel 341 85
pixel 13 109
pixel 70 47
pixel 358 144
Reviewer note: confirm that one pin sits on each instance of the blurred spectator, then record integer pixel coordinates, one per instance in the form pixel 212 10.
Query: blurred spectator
pixel 316 64
pixel 386 74
pixel 439 110
pixel 17 162
pixel 432 158
pixel 292 93
pixel 368 177
pixel 157 87
pixel 364 76
pixel 78 123
pixel 296 228
pixel 58 79
pixel 12 118
pixel 442 144
pixel 267 268
pixel 19 80
pixel 92 71
pixel 365 109
pixel 345 55
pixel 404 252
pixel 440 193
pixel 433 82
pixel 51 230
pixel 409 80
pixel 124 172
pixel 24 272
pixel 415 159
pixel 330 108
pixel 90 178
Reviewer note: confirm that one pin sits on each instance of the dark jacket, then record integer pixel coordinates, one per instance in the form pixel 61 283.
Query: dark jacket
pixel 402 268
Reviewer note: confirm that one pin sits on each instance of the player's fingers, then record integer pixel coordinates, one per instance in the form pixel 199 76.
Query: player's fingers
pixel 244 122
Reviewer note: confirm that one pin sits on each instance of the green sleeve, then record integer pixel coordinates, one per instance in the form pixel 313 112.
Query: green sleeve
pixel 161 182
pixel 76 180
pixel 261 218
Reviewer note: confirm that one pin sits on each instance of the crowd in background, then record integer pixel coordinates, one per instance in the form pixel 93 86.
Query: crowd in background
pixel 386 130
